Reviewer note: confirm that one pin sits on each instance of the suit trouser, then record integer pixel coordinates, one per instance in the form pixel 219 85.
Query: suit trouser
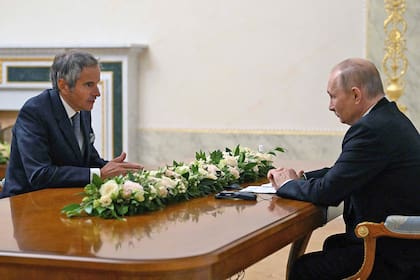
pixel 339 259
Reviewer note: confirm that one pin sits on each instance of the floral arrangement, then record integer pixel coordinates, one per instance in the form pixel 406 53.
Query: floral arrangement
pixel 145 191
pixel 4 152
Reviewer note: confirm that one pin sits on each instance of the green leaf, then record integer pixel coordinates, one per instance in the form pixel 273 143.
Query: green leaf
pixel 216 156
pixel 70 207
pixel 122 210
pixel 279 149
pixel 72 210
pixel 241 157
pixel 200 155
pixel 96 180
pixel 88 208
pixel 194 168
pixel 237 151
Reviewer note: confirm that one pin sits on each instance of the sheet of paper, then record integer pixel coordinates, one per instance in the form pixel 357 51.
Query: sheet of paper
pixel 264 188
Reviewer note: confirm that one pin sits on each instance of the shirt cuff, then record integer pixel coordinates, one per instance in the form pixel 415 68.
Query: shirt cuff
pixel 96 171
pixel 285 182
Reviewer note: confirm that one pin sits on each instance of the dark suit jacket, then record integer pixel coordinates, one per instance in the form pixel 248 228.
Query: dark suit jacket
pixel 377 173
pixel 44 151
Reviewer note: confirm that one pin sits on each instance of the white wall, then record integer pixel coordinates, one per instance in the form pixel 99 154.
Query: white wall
pixel 216 73
pixel 226 64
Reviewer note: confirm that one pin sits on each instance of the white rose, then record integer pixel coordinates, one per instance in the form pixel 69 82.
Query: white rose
pixel 109 188
pixel 162 191
pixel 235 172
pixel 168 182
pixel 202 171
pixel 153 173
pixel 139 196
pixel 207 174
pixel 133 186
pixel 152 192
pixel 231 161
pixel 212 169
pixel 181 187
pixel 267 157
pixel 105 200
pixel 182 169
pixel 96 203
pixel 255 169
pixel 129 188
pixel 170 173
pixel 126 193
pixel 212 176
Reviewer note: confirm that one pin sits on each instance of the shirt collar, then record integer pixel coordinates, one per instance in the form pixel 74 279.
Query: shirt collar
pixel 371 107
pixel 368 111
pixel 69 110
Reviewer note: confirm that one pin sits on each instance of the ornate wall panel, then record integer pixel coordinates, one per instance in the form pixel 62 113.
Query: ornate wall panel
pixel 379 30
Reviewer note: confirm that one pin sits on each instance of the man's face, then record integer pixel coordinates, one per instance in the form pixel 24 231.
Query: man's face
pixel 84 93
pixel 342 103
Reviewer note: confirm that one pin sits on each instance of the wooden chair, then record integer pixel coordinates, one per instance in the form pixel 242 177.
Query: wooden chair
pixel 406 227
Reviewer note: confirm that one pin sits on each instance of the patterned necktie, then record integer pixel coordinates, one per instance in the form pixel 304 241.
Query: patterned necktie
pixel 77 131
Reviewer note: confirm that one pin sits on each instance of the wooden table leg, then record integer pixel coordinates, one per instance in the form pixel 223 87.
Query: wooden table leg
pixel 297 249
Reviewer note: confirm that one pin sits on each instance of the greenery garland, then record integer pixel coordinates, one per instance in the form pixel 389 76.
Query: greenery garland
pixel 4 152
pixel 146 191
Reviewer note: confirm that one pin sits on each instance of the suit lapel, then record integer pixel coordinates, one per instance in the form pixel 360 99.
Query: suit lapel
pixel 64 123
pixel 85 122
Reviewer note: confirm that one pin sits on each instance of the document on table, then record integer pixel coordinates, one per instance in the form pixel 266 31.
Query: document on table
pixel 264 188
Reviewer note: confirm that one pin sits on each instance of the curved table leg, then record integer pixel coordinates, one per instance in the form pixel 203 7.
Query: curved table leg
pixel 298 249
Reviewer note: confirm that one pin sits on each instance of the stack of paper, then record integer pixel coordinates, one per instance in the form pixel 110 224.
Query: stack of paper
pixel 264 188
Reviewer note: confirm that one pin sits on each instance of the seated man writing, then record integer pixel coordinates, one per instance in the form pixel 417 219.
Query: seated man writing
pixel 377 174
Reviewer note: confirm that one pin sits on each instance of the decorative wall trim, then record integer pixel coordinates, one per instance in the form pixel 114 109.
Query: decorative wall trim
pixel 246 131
pixel 117 104
pixel 157 148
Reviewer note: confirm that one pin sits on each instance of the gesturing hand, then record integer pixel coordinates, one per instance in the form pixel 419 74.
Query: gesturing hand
pixel 118 166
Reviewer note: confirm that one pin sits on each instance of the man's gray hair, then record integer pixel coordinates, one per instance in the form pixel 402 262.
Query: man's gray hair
pixel 69 65
pixel 361 73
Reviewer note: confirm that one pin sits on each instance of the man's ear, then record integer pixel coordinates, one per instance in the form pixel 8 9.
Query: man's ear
pixel 63 86
pixel 357 94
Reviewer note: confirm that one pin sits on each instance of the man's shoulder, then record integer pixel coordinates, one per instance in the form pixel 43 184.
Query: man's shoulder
pixel 40 99
pixel 379 117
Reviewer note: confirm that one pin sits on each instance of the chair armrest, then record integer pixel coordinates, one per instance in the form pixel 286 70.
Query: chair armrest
pixel 405 227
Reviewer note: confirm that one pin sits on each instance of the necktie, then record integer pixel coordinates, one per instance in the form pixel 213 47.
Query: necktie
pixel 77 131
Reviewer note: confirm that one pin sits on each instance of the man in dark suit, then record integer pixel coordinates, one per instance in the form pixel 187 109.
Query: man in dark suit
pixel 377 174
pixel 46 151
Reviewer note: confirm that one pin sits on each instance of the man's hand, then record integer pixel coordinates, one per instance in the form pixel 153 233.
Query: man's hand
pixel 280 175
pixel 117 166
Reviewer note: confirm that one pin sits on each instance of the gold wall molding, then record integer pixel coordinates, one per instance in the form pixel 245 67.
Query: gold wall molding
pixel 395 62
